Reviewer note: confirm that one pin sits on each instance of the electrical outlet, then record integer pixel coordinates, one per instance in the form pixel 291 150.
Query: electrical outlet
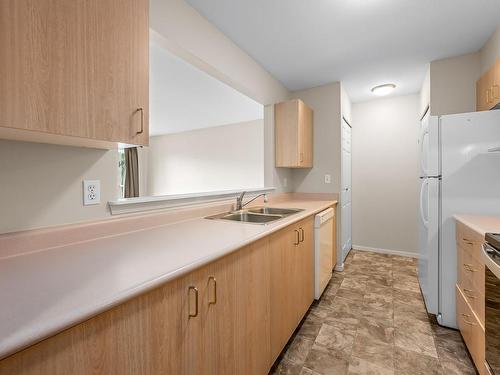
pixel 328 179
pixel 91 192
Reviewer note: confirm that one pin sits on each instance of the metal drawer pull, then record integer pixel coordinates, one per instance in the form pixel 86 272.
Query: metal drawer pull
pixel 303 236
pixel 142 120
pixel 468 291
pixel 195 299
pixel 297 237
pixel 469 267
pixel 465 316
pixel 214 301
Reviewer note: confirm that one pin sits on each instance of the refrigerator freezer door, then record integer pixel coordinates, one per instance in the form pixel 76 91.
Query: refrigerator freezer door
pixel 470 185
pixel 428 270
pixel 429 146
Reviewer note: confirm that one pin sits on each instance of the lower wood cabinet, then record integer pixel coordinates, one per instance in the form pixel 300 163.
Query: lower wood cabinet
pixel 292 281
pixel 472 331
pixel 232 316
pixel 470 293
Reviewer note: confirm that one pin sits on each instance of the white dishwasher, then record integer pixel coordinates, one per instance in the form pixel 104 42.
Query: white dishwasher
pixel 323 250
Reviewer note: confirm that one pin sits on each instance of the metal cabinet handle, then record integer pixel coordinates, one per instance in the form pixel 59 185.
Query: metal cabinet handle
pixel 468 292
pixel 142 120
pixel 193 288
pixel 297 237
pixel 469 267
pixel 468 242
pixel 301 157
pixel 303 236
pixel 214 281
pixel 464 318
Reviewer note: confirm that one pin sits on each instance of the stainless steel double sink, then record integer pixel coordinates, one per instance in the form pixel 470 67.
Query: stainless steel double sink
pixel 256 215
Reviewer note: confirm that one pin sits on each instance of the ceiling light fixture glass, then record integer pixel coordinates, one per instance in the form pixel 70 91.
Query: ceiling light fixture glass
pixel 383 90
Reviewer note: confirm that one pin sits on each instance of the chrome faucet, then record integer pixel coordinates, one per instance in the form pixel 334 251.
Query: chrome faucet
pixel 239 200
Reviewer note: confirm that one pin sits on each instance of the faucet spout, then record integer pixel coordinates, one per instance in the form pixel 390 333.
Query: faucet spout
pixel 239 200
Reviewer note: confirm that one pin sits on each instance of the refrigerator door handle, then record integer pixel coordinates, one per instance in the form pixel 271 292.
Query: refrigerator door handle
pixel 424 220
pixel 423 152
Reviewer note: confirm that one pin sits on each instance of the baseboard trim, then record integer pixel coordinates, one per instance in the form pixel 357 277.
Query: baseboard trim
pixel 385 251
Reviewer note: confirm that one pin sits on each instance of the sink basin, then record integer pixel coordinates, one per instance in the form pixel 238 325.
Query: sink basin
pixel 247 217
pixel 274 211
pixel 256 215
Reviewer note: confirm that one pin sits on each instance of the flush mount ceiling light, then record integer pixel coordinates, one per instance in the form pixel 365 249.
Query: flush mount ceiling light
pixel 383 90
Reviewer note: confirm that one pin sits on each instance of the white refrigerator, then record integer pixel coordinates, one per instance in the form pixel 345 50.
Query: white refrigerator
pixel 459 174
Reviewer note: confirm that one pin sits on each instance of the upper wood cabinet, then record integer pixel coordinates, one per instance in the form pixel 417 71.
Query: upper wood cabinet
pixel 488 89
pixel 293 134
pixel 75 72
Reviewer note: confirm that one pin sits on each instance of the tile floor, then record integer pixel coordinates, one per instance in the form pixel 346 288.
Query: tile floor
pixel 371 319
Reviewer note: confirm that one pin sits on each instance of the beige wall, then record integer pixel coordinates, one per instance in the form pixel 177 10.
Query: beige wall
pixel 212 159
pixel 490 51
pixel 26 168
pixel 450 84
pixel 384 180
pixel 326 104
pixel 453 84
pixel 41 184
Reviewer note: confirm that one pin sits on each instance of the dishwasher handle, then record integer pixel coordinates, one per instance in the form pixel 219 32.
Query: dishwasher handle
pixel 324 216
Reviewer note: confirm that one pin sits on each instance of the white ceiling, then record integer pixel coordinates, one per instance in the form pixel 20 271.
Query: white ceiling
pixel 363 43
pixel 184 98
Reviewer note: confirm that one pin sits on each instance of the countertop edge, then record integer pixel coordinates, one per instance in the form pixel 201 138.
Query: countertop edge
pixel 15 346
pixel 466 220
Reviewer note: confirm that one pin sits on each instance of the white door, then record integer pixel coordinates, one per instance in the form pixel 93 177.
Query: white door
pixel 345 194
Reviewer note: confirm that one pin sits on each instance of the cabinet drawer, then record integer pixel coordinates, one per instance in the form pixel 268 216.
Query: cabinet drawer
pixel 475 301
pixel 471 330
pixel 470 271
pixel 469 240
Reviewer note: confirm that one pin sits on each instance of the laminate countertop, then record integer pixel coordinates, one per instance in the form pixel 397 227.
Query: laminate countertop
pixel 483 225
pixel 47 291
pixel 480 224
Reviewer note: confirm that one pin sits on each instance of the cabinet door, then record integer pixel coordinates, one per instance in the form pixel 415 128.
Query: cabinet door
pixel 76 68
pixel 146 335
pixel 496 83
pixel 252 309
pixel 305 135
pixel 305 268
pixel 286 117
pixel 283 248
pixel 334 250
pixel 198 347
pixel 234 325
pixel 482 93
